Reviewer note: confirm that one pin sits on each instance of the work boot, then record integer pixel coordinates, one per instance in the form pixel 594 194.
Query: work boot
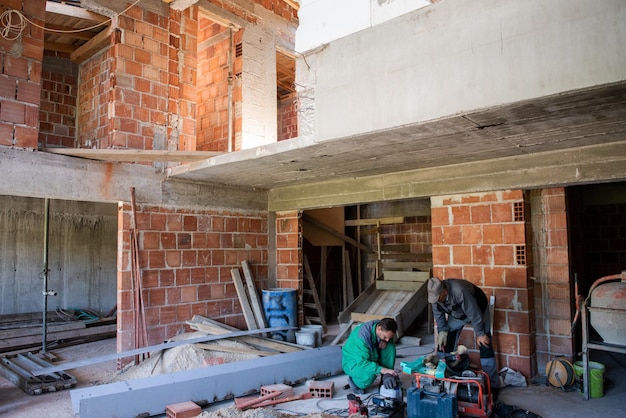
pixel 355 389
pixel 489 367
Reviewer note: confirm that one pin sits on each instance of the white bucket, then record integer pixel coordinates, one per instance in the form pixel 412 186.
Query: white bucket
pixel 306 337
pixel 319 331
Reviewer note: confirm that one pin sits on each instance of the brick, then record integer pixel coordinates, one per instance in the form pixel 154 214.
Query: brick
pixel 493 276
pixel 461 254
pixel 6 133
pixel 482 254
pixel 12 112
pixel 503 255
pixel 514 233
pixel 516 278
pixel 16 67
pixel 472 234
pixel 166 278
pixel 8 87
pixel 460 215
pixel 452 235
pixel 480 214
pixel 188 294
pixel 26 137
pixel 173 258
pixel 506 343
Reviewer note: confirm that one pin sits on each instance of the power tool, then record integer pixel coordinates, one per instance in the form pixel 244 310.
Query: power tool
pixel 385 407
pixel 355 405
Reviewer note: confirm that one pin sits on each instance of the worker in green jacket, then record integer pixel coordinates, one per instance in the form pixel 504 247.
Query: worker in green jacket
pixel 369 351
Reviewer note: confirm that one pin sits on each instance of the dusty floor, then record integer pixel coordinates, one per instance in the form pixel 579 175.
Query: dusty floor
pixel 543 400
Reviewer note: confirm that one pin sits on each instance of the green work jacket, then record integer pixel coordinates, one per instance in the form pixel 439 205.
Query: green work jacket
pixel 361 358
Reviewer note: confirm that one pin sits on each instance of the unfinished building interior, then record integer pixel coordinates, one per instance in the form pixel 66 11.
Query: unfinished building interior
pixel 169 141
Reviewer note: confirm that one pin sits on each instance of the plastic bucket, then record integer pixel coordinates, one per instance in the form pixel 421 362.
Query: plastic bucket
pixel 306 337
pixel 319 330
pixel 596 377
pixel 281 310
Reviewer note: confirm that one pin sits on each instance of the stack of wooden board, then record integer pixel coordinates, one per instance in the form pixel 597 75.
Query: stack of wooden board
pixel 257 345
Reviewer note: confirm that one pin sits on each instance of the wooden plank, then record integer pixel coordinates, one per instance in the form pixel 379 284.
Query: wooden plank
pixel 404 256
pixel 210 326
pixel 403 265
pixel 38 330
pixel 95 44
pixel 243 300
pixel 163 346
pixel 342 332
pixel 375 221
pixel 343 237
pixel 409 276
pixel 364 317
pixel 74 12
pixel 398 285
pixel 130 155
pixel 239 350
pixel 254 296
pixel 364 300
pixel 6 344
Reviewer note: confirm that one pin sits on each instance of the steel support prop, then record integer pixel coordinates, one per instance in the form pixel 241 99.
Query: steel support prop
pixel 151 395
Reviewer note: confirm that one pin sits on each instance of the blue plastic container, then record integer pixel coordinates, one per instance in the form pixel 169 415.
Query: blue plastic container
pixel 281 310
pixel 421 404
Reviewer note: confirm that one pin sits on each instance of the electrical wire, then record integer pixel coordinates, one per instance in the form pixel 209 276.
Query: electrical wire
pixel 7 24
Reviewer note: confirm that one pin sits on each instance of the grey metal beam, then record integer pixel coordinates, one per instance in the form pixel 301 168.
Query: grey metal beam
pixel 151 395
pixel 130 353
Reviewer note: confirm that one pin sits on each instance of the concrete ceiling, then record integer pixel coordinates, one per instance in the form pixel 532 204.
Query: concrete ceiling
pixel 560 122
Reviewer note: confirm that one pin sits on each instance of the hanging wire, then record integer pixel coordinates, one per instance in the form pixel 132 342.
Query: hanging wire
pixel 14 20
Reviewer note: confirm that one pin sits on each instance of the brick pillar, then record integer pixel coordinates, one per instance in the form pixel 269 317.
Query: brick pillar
pixel 552 285
pixel 20 81
pixel 289 255
pixel 482 238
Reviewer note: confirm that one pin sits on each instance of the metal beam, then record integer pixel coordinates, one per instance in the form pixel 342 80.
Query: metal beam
pixel 130 353
pixel 151 395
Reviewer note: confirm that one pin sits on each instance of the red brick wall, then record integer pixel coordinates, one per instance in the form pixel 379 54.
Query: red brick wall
pixel 186 258
pixel 145 81
pixel 552 288
pixel 57 114
pixel 287 118
pixel 213 69
pixel 94 91
pixel 20 80
pixel 289 255
pixel 482 238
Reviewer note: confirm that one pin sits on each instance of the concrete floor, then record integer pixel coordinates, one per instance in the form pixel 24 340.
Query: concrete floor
pixel 543 400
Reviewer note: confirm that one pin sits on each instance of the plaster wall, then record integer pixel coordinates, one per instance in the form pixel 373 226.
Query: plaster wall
pixel 259 121
pixel 82 251
pixel 456 56
pixel 318 26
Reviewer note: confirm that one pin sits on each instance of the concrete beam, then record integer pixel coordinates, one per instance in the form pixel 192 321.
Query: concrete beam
pixel 209 384
pixel 40 175
pixel 584 165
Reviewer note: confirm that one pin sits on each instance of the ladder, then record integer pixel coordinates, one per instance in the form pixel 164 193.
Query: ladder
pixel 315 307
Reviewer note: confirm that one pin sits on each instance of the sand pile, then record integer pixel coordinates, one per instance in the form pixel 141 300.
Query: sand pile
pixel 184 357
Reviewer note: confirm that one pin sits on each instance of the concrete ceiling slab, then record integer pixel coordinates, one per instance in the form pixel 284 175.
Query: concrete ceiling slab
pixel 561 122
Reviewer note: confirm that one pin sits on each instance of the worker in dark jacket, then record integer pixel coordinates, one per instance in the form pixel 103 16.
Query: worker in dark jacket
pixel 369 351
pixel 457 302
